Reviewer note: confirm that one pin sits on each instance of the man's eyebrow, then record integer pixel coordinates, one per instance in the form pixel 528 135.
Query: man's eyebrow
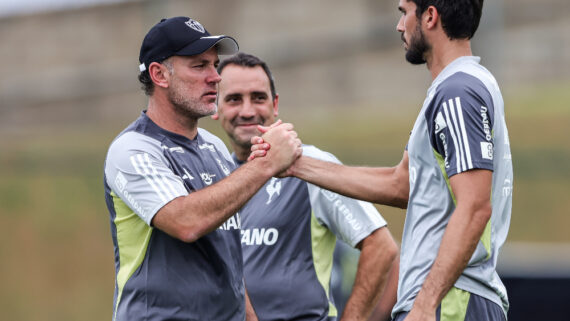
pixel 232 95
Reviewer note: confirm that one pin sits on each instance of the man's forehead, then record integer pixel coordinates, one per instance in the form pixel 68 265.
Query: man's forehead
pixel 244 77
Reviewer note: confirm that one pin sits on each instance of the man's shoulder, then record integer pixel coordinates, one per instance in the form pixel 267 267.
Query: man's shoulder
pixel 461 83
pixel 130 139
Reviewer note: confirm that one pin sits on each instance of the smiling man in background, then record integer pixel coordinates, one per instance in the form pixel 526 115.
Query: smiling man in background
pixel 289 228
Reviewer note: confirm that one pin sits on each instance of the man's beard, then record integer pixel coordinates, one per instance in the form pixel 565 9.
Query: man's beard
pixel 189 107
pixel 417 47
pixel 244 140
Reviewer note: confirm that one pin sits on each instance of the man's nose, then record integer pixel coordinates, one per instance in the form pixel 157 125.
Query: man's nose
pixel 213 76
pixel 247 110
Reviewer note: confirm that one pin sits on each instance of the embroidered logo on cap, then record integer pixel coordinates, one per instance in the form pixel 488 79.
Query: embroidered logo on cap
pixel 195 25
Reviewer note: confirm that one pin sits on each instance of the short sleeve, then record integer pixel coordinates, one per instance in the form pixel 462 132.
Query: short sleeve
pixel 137 171
pixel 460 122
pixel 349 219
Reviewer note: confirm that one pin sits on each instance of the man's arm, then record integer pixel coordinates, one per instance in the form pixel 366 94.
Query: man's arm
pixel 382 185
pixel 383 309
pixel 250 314
pixel 190 217
pixel 378 252
pixel 472 190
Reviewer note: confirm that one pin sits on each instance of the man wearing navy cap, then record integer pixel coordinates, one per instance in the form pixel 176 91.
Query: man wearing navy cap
pixel 173 204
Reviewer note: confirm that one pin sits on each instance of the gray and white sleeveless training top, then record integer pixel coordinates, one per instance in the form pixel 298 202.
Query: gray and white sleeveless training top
pixel 159 277
pixel 288 236
pixel 460 127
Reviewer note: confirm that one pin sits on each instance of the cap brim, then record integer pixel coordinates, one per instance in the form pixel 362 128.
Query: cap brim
pixel 226 46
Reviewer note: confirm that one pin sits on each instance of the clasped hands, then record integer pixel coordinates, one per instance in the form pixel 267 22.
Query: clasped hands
pixel 279 143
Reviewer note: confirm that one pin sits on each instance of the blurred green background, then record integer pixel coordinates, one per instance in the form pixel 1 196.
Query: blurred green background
pixel 69 88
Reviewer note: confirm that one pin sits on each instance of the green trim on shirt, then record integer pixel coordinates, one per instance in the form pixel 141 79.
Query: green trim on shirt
pixel 454 305
pixel 133 236
pixel 323 243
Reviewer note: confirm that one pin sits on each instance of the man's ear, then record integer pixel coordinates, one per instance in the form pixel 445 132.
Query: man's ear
pixel 430 17
pixel 159 74
pixel 276 105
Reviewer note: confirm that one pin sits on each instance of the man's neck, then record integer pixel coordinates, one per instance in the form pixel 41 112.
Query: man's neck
pixel 241 153
pixel 445 53
pixel 163 114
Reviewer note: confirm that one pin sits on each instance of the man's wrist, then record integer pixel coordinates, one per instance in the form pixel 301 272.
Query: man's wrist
pixel 426 303
pixel 265 166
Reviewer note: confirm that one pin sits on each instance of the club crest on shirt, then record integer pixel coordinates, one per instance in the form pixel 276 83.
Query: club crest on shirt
pixel 272 188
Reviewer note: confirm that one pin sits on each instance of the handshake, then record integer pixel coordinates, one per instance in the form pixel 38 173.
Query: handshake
pixel 279 146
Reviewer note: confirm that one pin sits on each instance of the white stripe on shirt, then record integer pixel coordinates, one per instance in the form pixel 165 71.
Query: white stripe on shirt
pixel 452 131
pixel 459 139
pixel 138 164
pixel 464 133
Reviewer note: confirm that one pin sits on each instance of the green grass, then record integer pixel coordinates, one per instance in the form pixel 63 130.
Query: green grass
pixel 56 255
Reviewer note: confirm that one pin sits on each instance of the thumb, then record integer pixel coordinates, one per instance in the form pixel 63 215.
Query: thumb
pixel 265 129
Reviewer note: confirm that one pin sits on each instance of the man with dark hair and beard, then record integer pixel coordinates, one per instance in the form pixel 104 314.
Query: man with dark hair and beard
pixel 172 201
pixel 455 178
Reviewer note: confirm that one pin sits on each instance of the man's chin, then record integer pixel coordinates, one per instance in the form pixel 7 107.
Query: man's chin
pixel 243 138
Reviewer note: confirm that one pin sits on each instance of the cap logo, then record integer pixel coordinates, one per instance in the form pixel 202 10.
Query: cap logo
pixel 195 25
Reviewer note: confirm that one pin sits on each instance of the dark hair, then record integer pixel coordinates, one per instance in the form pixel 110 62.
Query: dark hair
pixel 146 81
pixel 247 60
pixel 147 84
pixel 459 18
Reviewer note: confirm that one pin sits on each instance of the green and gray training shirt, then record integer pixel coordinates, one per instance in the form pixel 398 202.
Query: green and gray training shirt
pixel 288 236
pixel 460 127
pixel 159 277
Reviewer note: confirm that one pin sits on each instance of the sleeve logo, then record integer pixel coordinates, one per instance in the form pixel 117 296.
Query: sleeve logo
pixel 487 150
pixel 440 123
pixel 120 182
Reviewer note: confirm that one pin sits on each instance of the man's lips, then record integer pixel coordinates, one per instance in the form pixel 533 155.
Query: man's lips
pixel 247 125
pixel 211 94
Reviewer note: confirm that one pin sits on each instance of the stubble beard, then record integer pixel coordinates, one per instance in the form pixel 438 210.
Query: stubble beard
pixel 417 47
pixel 244 140
pixel 188 106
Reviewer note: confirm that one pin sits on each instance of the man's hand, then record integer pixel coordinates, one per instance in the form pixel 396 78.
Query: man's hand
pixel 420 315
pixel 285 146
pixel 259 147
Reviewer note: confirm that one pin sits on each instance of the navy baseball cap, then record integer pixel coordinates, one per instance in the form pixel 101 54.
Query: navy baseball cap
pixel 181 36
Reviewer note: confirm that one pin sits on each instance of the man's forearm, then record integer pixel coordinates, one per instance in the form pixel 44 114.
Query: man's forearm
pixel 382 185
pixel 377 255
pixel 457 246
pixel 190 217
pixel 383 309
pixel 250 314
pixel 473 210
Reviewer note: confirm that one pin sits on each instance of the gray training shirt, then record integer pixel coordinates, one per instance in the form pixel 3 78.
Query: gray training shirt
pixel 288 236
pixel 159 277
pixel 461 127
